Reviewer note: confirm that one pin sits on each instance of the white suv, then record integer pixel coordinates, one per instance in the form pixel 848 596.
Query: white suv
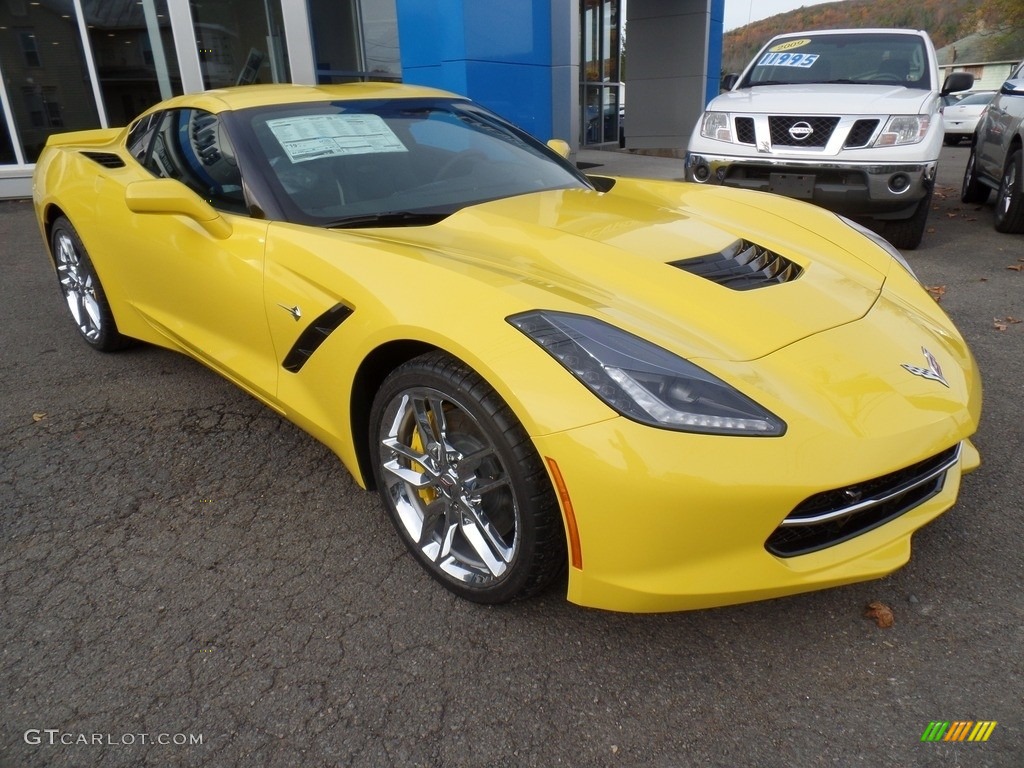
pixel 849 119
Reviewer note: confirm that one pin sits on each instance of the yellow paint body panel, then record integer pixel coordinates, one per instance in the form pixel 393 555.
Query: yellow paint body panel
pixel 667 520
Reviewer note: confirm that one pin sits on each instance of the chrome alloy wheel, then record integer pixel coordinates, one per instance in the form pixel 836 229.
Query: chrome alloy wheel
pixel 452 496
pixel 1008 189
pixel 78 284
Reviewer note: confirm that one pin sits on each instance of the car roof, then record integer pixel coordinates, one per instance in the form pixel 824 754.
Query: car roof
pixel 245 96
pixel 864 30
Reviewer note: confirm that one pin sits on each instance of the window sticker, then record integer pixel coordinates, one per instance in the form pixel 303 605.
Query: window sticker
pixel 310 137
pixel 802 60
pixel 790 45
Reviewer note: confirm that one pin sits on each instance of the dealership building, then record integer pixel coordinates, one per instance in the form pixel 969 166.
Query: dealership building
pixel 556 68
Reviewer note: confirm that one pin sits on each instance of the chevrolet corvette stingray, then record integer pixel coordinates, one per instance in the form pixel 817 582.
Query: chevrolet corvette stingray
pixel 681 396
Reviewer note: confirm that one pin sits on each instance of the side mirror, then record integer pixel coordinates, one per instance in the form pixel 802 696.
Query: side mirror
pixel 957 81
pixel 1013 88
pixel 729 81
pixel 560 146
pixel 170 196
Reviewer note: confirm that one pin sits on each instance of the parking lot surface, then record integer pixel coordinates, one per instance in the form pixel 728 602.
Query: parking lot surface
pixel 188 580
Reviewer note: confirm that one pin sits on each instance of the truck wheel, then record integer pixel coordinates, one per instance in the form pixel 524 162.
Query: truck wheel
pixel 907 233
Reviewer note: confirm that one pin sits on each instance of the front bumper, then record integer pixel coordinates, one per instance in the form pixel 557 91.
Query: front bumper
pixel 672 521
pixel 878 190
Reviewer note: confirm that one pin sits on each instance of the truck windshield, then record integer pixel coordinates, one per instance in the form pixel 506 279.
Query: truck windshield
pixel 857 57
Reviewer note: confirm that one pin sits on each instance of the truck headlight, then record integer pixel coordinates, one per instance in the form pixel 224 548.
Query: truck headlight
pixel 903 129
pixel 716 125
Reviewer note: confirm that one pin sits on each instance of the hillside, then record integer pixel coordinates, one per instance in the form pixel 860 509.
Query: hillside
pixel 945 21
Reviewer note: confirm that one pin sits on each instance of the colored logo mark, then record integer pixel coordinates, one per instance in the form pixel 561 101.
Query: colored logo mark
pixel 959 730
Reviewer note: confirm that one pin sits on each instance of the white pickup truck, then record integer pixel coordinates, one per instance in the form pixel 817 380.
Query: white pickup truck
pixel 848 119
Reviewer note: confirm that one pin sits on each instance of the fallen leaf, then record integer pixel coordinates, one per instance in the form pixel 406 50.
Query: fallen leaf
pixel 38 416
pixel 1016 267
pixel 881 613
pixel 937 291
pixel 1001 324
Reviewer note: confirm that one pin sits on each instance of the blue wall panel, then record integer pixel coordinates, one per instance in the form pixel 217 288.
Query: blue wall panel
pixel 497 53
pixel 714 70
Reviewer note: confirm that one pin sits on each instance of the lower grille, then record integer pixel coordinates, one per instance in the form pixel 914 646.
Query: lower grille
pixel 835 516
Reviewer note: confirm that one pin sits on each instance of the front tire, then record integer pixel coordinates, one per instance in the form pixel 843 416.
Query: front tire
pixel 907 233
pixel 1010 199
pixel 972 190
pixel 82 290
pixel 463 484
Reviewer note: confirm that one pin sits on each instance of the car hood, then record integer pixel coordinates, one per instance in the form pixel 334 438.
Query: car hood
pixel 837 99
pixel 616 255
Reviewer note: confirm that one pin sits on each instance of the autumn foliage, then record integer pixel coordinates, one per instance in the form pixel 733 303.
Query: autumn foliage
pixel 945 21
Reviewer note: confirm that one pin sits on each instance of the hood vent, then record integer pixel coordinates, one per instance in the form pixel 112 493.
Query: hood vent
pixel 106 159
pixel 742 266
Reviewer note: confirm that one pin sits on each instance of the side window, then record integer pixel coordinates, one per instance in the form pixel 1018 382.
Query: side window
pixel 192 147
pixel 141 136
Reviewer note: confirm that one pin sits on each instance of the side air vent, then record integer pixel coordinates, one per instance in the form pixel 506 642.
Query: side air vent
pixel 106 159
pixel 316 333
pixel 742 266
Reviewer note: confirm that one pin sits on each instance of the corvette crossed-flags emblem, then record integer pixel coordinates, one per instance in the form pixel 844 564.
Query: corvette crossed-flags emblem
pixel 932 372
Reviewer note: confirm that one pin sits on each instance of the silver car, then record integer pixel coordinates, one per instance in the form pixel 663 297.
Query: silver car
pixel 961 118
pixel 997 156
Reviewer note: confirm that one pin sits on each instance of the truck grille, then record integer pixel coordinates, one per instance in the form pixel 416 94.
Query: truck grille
pixel 860 134
pixel 835 516
pixel 745 130
pixel 793 131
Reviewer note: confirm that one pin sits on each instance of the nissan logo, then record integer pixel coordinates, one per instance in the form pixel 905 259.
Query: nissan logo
pixel 801 130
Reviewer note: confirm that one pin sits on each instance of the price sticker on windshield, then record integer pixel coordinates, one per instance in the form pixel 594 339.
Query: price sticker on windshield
pixel 785 59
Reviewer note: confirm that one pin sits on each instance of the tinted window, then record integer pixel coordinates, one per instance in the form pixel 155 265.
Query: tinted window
pixel 141 135
pixel 192 147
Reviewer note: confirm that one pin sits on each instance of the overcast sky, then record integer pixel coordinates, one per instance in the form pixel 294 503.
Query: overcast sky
pixel 740 12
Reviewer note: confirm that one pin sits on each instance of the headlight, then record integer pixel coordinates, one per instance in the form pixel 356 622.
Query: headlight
pixel 715 125
pixel 903 129
pixel 882 243
pixel 644 382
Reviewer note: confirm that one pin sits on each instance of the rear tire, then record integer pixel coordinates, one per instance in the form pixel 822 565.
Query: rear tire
pixel 906 234
pixel 82 290
pixel 1010 198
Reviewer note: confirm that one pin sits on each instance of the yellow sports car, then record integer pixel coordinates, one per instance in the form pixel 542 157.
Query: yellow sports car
pixel 684 396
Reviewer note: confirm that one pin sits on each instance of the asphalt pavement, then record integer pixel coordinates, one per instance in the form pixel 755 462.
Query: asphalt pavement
pixel 188 580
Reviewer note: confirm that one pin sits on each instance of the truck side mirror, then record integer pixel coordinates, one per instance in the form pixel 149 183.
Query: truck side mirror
pixel 957 81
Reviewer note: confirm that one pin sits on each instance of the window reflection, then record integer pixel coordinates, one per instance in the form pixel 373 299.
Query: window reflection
pixel 45 72
pixel 355 40
pixel 134 53
pixel 240 42
pixel 603 108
